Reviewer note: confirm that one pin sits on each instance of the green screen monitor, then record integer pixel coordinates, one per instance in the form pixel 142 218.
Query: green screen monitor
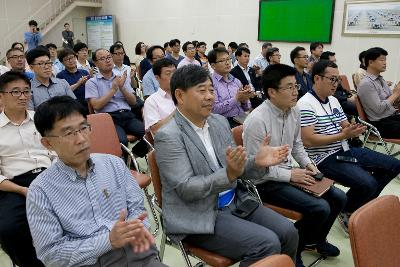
pixel 296 20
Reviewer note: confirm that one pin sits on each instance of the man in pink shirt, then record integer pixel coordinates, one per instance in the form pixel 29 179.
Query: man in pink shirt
pixel 159 106
pixel 190 51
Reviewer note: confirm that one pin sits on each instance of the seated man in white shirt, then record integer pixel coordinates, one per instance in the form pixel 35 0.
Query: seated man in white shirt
pixel 22 158
pixel 159 107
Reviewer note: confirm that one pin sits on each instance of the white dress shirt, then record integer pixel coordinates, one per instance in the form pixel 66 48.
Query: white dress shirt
pixel 157 107
pixel 20 147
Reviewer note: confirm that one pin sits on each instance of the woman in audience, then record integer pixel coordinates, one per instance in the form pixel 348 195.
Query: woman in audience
pixel 140 53
pixel 360 73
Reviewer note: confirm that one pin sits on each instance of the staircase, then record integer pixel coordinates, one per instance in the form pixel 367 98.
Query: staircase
pixel 47 15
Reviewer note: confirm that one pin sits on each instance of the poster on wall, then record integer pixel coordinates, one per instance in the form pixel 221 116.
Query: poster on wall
pixel 100 31
pixel 371 18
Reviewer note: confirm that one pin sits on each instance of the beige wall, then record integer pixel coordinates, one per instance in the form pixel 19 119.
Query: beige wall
pixel 156 21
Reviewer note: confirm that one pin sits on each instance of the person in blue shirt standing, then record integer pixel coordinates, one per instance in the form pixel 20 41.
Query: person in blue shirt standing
pixel 74 76
pixel 33 37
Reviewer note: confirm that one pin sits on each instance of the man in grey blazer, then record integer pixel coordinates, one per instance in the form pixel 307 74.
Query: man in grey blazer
pixel 200 169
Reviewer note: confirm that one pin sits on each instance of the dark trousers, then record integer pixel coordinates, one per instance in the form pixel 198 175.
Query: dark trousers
pixel 127 123
pixel 262 234
pixel 319 214
pixel 388 127
pixel 366 178
pixel 126 257
pixel 15 236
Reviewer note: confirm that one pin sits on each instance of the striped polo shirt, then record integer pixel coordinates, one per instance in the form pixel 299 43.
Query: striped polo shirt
pixel 326 118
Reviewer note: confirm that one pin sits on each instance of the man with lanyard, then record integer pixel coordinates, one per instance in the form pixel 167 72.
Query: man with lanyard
pixel 278 117
pixel 22 158
pixel 325 131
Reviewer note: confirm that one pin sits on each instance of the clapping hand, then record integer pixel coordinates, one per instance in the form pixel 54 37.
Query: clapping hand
pixel 269 156
pixel 235 162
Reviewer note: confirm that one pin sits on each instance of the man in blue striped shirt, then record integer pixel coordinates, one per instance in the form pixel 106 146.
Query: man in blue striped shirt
pixel 86 209
pixel 325 131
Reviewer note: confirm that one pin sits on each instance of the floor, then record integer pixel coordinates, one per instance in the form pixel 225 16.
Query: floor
pixel 336 236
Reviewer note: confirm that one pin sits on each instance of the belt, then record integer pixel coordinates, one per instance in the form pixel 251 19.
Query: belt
pixel 37 170
pixel 120 111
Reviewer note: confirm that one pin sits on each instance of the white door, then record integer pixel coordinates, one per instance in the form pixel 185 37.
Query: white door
pixel 79 29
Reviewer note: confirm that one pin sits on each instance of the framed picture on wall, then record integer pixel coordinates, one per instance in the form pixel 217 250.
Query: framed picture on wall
pixel 371 18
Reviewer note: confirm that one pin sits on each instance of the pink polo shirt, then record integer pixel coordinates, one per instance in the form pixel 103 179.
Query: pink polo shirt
pixel 157 106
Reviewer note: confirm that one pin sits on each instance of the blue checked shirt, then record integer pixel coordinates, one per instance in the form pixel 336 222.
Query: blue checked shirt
pixel 70 217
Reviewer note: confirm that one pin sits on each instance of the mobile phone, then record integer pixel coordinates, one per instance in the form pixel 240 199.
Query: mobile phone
pixel 318 176
pixel 346 159
pixel 245 208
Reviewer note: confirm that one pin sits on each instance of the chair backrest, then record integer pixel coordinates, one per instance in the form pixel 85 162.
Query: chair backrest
pixel 237 133
pixel 345 83
pixel 375 233
pixel 104 138
pixel 274 261
pixel 354 81
pixel 360 109
pixel 155 176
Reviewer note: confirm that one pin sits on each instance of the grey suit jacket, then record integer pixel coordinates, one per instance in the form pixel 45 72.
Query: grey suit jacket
pixel 190 181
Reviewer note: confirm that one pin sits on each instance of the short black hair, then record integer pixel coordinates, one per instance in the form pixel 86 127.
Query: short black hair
pixel 162 63
pixel 233 45
pixel 295 52
pixel 314 45
pixel 212 55
pixel 273 75
pixel 11 76
pixel 187 77
pixel 66 23
pixel 327 54
pixel 79 46
pixel 94 54
pixel 373 53
pixel 166 44
pixel 55 109
pixel 115 47
pixel 35 53
pixel 266 45
pixel 33 23
pixel 215 45
pixel 319 68
pixel 17 43
pixel 138 48
pixel 240 51
pixel 200 44
pixel 185 45
pixel 65 53
pixel 195 43
pixel 361 58
pixel 173 42
pixel 270 52
pixel 149 52
pixel 51 45
pixel 243 44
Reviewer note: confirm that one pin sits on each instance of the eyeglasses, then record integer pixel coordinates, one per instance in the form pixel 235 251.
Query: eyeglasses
pixel 226 60
pixel 71 58
pixel 71 135
pixel 292 88
pixel 18 93
pixel 190 48
pixel 43 64
pixel 107 58
pixel 305 57
pixel 334 80
pixel 119 53
pixel 17 57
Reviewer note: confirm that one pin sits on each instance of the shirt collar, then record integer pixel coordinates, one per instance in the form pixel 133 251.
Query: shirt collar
pixel 317 97
pixel 4 120
pixel 35 82
pixel 220 77
pixel 372 76
pixel 275 110
pixel 72 173
pixel 244 69
pixel 100 76
pixel 195 127
pixel 163 93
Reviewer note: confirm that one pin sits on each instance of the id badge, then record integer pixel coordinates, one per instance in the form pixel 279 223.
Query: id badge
pixel 345 145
